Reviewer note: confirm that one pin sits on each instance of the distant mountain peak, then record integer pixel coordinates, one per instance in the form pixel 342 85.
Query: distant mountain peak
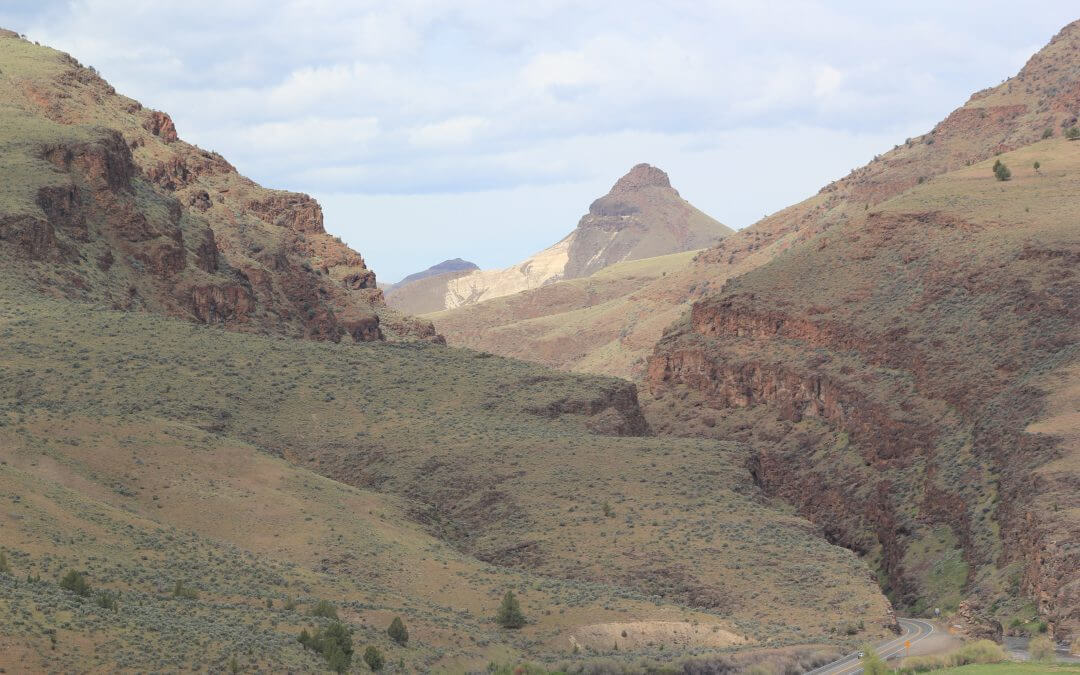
pixel 642 175
pixel 450 265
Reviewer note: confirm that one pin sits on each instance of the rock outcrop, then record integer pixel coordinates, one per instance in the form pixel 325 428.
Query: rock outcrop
pixel 171 228
pixel 641 217
pixel 894 348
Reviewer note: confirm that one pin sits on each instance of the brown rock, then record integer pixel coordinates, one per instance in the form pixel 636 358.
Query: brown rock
pixel 161 125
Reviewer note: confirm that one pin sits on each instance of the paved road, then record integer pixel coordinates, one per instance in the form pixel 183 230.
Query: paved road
pixel 914 630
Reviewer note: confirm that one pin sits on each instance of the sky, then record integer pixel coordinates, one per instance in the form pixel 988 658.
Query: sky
pixel 483 129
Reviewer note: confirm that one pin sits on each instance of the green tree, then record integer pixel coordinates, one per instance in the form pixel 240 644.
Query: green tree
pixel 510 615
pixel 1002 172
pixel 872 663
pixel 234 665
pixel 325 609
pixel 1048 132
pixel 1036 165
pixel 334 643
pixel 397 631
pixel 5 568
pixel 1073 133
pixel 374 658
pixel 76 583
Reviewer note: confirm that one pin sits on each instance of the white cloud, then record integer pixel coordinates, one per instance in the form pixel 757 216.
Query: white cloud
pixel 460 103
pixel 454 131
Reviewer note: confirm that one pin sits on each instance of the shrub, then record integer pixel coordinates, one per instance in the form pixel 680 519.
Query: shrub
pixel 5 568
pixel 108 600
pixel 325 609
pixel 510 615
pixel 1073 133
pixel 76 583
pixel 334 643
pixel 397 631
pixel 182 592
pixel 1041 648
pixel 1036 165
pixel 1002 172
pixel 872 663
pixel 374 658
pixel 1048 132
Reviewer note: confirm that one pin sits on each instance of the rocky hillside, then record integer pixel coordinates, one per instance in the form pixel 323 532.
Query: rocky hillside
pixel 101 202
pixel 641 217
pixel 391 478
pixel 606 323
pixel 908 335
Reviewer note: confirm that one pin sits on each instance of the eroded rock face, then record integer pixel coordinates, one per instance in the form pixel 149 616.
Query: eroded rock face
pixel 170 227
pixel 161 125
pixel 642 216
pixel 293 211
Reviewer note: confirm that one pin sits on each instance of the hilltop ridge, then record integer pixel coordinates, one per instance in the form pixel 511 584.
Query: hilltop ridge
pixel 642 216
pixel 102 202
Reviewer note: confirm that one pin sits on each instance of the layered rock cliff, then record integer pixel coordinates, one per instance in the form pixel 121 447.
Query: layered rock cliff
pixel 896 331
pixel 102 202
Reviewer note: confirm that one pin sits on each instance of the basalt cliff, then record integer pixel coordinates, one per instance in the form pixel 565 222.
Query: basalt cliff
pixel 899 351
pixel 102 202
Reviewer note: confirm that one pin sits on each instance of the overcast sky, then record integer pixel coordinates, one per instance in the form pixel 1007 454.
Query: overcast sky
pixel 484 128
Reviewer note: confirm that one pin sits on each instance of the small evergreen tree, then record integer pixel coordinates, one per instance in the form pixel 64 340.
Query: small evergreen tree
pixel 336 659
pixel 76 583
pixel 374 658
pixel 1001 172
pixel 5 568
pixel 334 643
pixel 1036 165
pixel 510 615
pixel 397 631
pixel 1048 132
pixel 1073 133
pixel 234 665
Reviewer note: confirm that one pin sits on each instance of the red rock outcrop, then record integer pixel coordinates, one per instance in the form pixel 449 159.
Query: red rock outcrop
pixel 170 227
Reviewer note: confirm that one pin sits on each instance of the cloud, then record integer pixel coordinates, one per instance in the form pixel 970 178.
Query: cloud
pixel 378 102
pixel 454 131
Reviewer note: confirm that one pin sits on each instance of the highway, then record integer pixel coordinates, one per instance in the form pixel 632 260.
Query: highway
pixel 914 630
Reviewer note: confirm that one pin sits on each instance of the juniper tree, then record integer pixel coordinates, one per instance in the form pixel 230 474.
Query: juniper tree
pixel 76 583
pixel 373 658
pixel 510 615
pixel 397 631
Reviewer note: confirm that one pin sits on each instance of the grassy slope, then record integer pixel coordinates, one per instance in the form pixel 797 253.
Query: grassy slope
pixel 960 291
pixel 105 411
pixel 605 323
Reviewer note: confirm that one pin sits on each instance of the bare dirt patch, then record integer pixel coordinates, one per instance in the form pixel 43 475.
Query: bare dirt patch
pixel 640 634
